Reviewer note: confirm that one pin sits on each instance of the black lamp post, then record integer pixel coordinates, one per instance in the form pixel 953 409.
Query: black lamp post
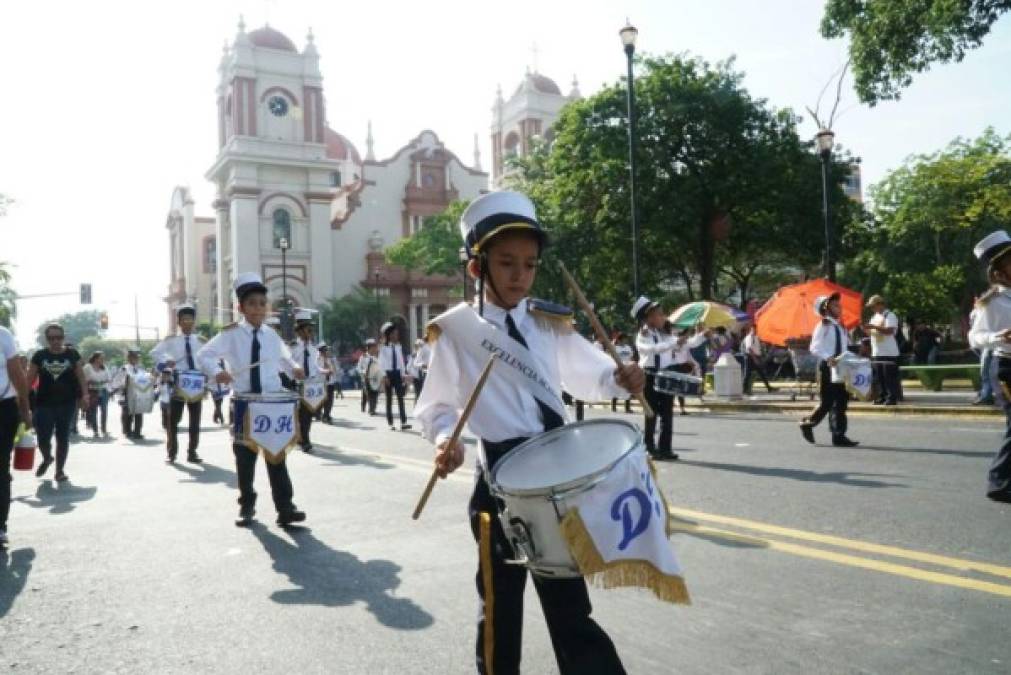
pixel 628 35
pixel 463 266
pixel 825 138
pixel 284 245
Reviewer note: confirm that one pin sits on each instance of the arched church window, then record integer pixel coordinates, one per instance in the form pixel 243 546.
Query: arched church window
pixel 282 227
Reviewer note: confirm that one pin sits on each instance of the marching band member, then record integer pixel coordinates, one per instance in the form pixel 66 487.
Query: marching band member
pixel 124 380
pixel 656 348
pixel 627 355
pixel 332 380
pixel 256 354
pixel 307 356
pixel 178 352
pixel 391 363
pixel 368 368
pixel 419 365
pixel 682 360
pixel 504 241
pixel 991 329
pixel 218 393
pixel 828 343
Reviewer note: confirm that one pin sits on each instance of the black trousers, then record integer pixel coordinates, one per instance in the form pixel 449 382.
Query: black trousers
pixel 581 646
pixel 834 402
pixel 219 417
pixel 395 384
pixel 1000 469
pixel 886 374
pixel 331 389
pixel 131 423
pixel 175 416
pixel 663 406
pixel 751 366
pixel 9 419
pixel 419 384
pixel 304 424
pixel 280 481
pixel 55 420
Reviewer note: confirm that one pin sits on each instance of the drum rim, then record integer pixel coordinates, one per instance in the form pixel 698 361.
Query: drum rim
pixel 575 482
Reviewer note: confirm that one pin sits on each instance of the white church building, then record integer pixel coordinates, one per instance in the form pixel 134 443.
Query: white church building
pixel 297 203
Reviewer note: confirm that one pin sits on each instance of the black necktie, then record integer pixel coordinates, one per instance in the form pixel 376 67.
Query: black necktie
pixel 552 420
pixel 393 356
pixel 189 353
pixel 838 340
pixel 305 360
pixel 254 357
pixel 656 359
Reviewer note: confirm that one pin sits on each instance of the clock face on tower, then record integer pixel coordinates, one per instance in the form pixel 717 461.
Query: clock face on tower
pixel 278 106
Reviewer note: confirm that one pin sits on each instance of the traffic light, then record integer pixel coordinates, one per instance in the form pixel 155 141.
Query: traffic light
pixel 85 294
pixel 103 321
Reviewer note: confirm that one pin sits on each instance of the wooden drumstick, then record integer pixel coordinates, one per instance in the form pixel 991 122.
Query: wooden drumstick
pixel 598 328
pixel 455 437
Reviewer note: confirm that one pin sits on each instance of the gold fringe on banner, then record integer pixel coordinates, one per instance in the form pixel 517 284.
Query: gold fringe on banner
pixel 256 448
pixel 619 573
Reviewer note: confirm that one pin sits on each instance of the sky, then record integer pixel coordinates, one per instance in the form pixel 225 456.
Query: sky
pixel 109 105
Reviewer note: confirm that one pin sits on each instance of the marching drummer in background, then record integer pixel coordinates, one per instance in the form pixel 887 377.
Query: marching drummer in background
pixel 178 352
pixel 306 356
pixel 419 365
pixel 391 363
pixel 656 352
pixel 504 241
pixel 218 394
pixel 627 355
pixel 125 379
pixel 751 349
pixel 991 329
pixel 368 371
pixel 256 354
pixel 332 380
pixel 682 360
pixel 828 343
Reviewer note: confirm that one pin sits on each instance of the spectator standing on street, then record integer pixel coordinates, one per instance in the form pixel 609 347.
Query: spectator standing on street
pixel 13 409
pixel 62 388
pixel 98 377
pixel 751 348
pixel 882 329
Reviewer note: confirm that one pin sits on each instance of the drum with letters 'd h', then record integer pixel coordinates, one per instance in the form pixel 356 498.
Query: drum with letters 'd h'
pixel 313 393
pixel 538 479
pixel 678 384
pixel 191 386
pixel 266 422
pixel 140 393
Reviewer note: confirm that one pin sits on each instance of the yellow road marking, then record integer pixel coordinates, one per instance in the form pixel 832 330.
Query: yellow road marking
pixel 853 544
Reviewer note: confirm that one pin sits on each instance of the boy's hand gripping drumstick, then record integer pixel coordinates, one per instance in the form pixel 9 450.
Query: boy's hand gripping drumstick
pixel 598 328
pixel 455 437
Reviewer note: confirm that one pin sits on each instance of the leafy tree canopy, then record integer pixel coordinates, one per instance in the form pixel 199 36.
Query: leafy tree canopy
pixel 434 249
pixel 349 320
pixel 891 40
pixel 76 326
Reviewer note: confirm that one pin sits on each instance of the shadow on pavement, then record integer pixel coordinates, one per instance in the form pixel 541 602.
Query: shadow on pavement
pixel 332 578
pixel 841 477
pixel 206 474
pixel 59 497
pixel 14 569
pixel 930 451
pixel 348 424
pixel 731 539
pixel 347 459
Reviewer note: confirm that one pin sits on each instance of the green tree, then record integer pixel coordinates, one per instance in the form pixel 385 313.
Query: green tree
pixel 891 40
pixel 8 297
pixel 434 249
pixel 76 326
pixel 349 320
pixel 928 215
pixel 726 189
pixel 115 350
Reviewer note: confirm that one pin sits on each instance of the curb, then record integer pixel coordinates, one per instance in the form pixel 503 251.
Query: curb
pixel 859 410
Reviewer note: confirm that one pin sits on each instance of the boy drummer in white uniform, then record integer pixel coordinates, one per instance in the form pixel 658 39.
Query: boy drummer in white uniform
pixel 255 354
pixel 504 241
pixel 178 352
pixel 306 355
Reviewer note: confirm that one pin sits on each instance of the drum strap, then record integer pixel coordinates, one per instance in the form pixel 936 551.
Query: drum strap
pixel 552 420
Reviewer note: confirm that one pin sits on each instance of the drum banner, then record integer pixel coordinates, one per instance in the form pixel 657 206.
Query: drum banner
pixel 313 393
pixel 140 393
pixel 190 386
pixel 270 426
pixel 482 339
pixel 858 374
pixel 618 533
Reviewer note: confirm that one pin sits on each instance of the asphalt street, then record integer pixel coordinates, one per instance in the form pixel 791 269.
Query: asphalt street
pixel 884 558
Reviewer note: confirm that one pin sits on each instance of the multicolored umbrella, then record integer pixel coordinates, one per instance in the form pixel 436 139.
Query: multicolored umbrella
pixel 789 314
pixel 709 314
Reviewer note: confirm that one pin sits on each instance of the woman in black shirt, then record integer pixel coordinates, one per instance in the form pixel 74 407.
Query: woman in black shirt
pixel 61 389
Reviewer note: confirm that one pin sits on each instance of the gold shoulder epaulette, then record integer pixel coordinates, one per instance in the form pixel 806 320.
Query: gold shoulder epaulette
pixel 550 315
pixel 985 299
pixel 432 332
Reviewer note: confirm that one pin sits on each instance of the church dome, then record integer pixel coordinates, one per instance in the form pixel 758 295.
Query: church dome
pixel 339 147
pixel 272 39
pixel 540 83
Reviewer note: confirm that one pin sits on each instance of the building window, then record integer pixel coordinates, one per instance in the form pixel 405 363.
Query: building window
pixel 383 292
pixel 419 292
pixel 416 224
pixel 282 227
pixel 210 255
pixel 335 179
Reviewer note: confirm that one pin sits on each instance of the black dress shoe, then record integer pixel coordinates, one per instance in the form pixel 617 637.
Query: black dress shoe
pixel 667 456
pixel 171 459
pixel 807 431
pixel 194 458
pixel 404 427
pixel 246 514
pixel 286 518
pixel 843 442
pixel 43 467
pixel 1003 496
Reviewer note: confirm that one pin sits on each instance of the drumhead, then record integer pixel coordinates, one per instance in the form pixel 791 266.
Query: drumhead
pixel 567 454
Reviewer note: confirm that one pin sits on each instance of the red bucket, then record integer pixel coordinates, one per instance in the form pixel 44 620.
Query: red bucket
pixel 24 453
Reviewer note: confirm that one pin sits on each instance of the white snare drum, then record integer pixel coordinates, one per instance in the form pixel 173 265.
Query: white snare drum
pixel 266 422
pixel 678 384
pixel 314 392
pixel 140 394
pixel 190 385
pixel 858 375
pixel 537 479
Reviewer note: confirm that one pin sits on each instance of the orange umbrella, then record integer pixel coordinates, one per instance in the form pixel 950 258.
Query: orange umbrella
pixel 790 312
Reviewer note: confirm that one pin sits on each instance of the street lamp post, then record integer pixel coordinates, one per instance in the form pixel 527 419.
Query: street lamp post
pixel 463 265
pixel 825 138
pixel 379 318
pixel 285 318
pixel 628 35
